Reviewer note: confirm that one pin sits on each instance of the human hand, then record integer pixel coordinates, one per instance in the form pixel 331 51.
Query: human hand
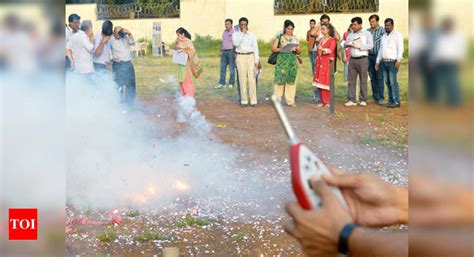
pixel 105 39
pixel 376 66
pixel 434 202
pixel 371 201
pixel 397 64
pixel 318 230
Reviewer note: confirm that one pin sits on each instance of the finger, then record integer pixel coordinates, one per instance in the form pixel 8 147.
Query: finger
pixel 293 209
pixel 336 171
pixel 323 190
pixel 344 180
pixel 291 229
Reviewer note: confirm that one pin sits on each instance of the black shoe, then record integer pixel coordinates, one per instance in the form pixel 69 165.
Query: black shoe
pixel 379 102
pixel 243 105
pixel 253 105
pixel 393 105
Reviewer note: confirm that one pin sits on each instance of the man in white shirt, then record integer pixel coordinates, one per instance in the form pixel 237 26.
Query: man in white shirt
pixel 122 67
pixel 80 49
pixel 103 54
pixel 247 60
pixel 74 22
pixel 388 61
pixel 448 57
pixel 360 42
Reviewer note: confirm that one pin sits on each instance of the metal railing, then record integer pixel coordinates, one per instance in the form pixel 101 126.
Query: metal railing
pixel 162 9
pixel 324 6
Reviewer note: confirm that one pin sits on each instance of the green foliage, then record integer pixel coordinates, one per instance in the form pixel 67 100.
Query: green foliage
pixel 107 236
pixel 149 235
pixel 149 51
pixel 190 221
pixel 370 139
pixel 133 213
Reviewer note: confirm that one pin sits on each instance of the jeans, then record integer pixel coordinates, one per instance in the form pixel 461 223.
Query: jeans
pixel 390 73
pixel 448 78
pixel 346 71
pixel 312 58
pixel 227 58
pixel 376 79
pixel 99 67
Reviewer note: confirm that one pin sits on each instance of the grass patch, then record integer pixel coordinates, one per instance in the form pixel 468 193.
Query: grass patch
pixel 107 236
pixel 133 214
pixel 370 139
pixel 190 221
pixel 148 235
pixel 241 235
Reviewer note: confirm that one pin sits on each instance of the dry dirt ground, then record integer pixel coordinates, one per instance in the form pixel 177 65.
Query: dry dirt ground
pixel 358 139
pixel 355 139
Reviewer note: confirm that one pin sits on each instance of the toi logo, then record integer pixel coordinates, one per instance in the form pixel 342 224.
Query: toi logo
pixel 23 224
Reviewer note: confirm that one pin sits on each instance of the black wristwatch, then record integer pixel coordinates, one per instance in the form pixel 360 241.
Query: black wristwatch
pixel 346 231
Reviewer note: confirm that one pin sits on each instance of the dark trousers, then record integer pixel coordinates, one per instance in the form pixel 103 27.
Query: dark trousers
pixel 227 59
pixel 67 64
pixel 358 66
pixel 99 67
pixel 376 80
pixel 390 73
pixel 124 75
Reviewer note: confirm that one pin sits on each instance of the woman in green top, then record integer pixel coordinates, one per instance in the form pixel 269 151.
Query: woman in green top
pixel 287 64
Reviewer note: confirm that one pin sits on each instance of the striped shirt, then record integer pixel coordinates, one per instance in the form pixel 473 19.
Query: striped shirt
pixel 377 34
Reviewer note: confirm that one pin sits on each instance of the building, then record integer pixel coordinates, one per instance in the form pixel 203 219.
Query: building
pixel 206 17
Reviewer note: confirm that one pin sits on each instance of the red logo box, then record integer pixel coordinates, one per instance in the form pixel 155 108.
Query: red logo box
pixel 23 224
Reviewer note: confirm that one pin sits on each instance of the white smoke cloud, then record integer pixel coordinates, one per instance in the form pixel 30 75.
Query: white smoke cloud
pixel 115 158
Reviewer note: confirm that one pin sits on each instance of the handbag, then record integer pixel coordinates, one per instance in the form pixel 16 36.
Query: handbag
pixel 272 59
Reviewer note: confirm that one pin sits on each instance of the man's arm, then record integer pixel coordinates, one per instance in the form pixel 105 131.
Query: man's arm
pixel 255 49
pixel 99 46
pixel 236 37
pixel 365 242
pixel 400 47
pixel 379 54
pixel 370 42
pixel 88 43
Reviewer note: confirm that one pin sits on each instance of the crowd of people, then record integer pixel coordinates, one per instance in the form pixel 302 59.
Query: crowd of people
pixel 108 50
pixel 376 52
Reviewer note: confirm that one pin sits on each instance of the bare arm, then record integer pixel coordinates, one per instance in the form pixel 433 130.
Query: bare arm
pixel 275 48
pixel 101 45
pixel 365 242
pixel 337 36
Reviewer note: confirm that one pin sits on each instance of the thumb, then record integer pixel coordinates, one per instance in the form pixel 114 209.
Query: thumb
pixel 344 180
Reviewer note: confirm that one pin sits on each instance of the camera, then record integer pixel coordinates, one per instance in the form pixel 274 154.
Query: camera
pixel 122 33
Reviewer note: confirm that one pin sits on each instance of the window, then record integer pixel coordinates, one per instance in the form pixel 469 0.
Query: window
pixel 324 6
pixel 133 9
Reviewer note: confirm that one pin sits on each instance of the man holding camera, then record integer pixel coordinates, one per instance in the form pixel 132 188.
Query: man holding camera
pixel 122 67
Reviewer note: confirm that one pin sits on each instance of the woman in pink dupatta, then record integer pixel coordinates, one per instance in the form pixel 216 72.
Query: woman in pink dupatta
pixel 193 66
